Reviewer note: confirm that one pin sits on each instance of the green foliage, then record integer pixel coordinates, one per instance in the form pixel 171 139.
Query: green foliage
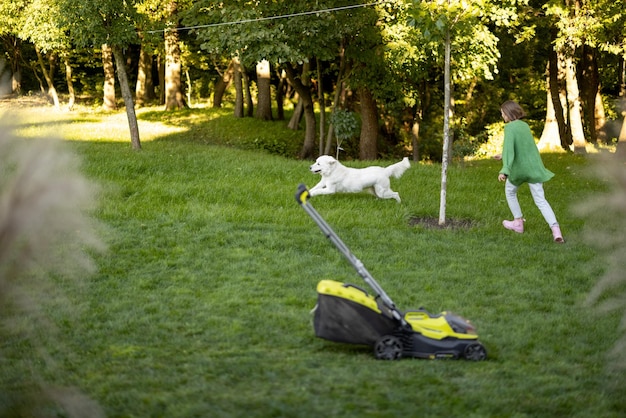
pixel 492 141
pixel 474 46
pixel 345 124
pixel 294 39
pixel 42 26
pixel 11 16
pixel 97 22
pixel 202 305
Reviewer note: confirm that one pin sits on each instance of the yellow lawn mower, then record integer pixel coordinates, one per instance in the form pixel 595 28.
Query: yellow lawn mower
pixel 346 313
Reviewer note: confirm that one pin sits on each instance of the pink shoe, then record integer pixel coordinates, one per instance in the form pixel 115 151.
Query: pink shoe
pixel 517 225
pixel 556 233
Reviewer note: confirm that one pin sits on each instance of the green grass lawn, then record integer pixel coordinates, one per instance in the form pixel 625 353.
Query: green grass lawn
pixel 201 305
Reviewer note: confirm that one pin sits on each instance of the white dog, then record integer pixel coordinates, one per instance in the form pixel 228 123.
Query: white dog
pixel 337 178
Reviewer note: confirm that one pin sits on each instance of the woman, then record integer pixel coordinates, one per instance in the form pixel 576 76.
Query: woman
pixel 521 163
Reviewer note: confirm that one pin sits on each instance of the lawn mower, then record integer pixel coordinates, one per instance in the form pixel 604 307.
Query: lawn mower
pixel 346 313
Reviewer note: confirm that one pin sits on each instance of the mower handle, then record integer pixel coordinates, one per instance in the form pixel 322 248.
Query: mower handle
pixel 302 194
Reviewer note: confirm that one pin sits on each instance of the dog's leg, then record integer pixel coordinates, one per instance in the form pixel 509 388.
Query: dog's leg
pixel 317 187
pixel 385 192
pixel 322 188
pixel 318 192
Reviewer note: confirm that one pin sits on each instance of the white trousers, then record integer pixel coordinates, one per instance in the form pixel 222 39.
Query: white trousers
pixel 536 191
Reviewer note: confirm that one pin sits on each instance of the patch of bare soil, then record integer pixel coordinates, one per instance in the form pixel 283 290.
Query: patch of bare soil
pixel 433 223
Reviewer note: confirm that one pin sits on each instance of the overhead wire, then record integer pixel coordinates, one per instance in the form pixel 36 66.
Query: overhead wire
pixel 261 19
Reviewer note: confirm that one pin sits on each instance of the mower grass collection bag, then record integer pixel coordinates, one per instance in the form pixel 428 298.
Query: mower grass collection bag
pixel 347 314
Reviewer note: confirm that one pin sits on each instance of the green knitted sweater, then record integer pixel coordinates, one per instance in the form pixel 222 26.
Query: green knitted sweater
pixel 521 161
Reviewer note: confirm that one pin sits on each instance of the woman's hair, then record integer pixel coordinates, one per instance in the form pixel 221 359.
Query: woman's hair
pixel 512 110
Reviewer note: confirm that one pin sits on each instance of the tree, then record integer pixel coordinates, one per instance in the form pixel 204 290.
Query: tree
pixel 144 89
pixel 303 90
pixel 368 149
pixel 264 106
pixel 108 96
pixel 151 41
pixel 610 37
pixel 461 26
pixel 110 22
pixel 223 81
pixel 238 80
pixel 48 73
pixel 42 25
pixel 556 133
pixel 369 74
pixel 11 22
pixel 446 128
pixel 174 97
pixel 570 18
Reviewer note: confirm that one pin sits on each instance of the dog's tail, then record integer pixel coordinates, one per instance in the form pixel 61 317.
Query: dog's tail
pixel 397 170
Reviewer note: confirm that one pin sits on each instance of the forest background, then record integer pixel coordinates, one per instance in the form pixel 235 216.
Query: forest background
pixel 366 79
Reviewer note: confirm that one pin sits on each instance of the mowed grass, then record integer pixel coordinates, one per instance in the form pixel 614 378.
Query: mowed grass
pixel 201 305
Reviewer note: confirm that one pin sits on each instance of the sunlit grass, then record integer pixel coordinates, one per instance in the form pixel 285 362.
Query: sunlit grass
pixel 85 125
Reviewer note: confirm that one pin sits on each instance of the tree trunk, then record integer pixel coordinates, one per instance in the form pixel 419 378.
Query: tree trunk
pixel 144 90
pixel 189 86
pixel 161 72
pixel 573 100
pixel 222 84
pixel 108 98
pixel 264 94
pixel 415 132
pixel 554 71
pixel 127 95
pixel 238 88
pixel 70 83
pixel 48 74
pixel 13 47
pixel 280 96
pixel 246 90
pixel 368 143
pixel 620 149
pixel 599 117
pixel 174 96
pixel 589 82
pixel 622 76
pixel 322 106
pixel 446 129
pixel 550 138
pixel 42 88
pixel 302 88
pixel 338 89
pixel 296 116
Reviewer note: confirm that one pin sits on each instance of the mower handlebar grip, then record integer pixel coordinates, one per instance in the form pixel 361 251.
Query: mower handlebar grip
pixel 302 194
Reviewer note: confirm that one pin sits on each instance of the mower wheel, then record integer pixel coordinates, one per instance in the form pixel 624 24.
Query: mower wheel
pixel 388 347
pixel 475 352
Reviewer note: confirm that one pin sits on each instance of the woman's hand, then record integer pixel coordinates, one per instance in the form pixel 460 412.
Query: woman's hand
pixel 502 177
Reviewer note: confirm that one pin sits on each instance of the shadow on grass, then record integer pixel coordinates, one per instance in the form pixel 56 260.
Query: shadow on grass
pixel 212 126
